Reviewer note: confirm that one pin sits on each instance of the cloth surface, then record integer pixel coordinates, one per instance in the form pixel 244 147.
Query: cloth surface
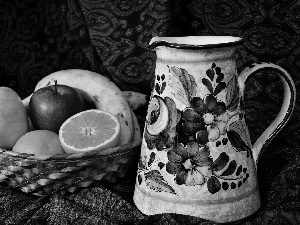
pixel 110 37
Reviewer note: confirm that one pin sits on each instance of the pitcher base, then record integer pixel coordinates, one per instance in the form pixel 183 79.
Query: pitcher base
pixel 219 213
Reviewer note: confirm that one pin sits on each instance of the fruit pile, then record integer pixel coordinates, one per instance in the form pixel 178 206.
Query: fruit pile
pixel 70 111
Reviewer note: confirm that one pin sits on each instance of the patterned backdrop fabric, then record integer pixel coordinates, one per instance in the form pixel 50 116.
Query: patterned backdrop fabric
pixel 38 37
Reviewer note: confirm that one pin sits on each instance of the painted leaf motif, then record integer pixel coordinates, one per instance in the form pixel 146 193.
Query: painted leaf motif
pixel 210 73
pixel 152 157
pixel 157 88
pixel 220 162
pixel 230 169
pixel 220 87
pixel 156 182
pixel 163 87
pixel 239 170
pixel 181 77
pixel 234 104
pixel 220 77
pixel 191 83
pixel 232 94
pixel 213 185
pixel 178 88
pixel 239 126
pixel 238 143
pixel 208 84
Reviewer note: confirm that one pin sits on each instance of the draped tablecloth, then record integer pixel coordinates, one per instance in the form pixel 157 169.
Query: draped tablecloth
pixel 38 37
pixel 113 204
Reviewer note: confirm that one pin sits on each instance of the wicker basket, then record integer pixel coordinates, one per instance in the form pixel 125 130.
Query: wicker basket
pixel 66 173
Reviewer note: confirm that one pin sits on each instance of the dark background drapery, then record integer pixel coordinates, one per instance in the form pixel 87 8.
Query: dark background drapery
pixel 111 37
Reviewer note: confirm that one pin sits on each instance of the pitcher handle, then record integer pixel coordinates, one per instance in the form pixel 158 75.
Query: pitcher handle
pixel 286 107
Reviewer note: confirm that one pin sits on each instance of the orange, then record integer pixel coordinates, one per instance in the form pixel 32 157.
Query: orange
pixel 89 130
pixel 41 143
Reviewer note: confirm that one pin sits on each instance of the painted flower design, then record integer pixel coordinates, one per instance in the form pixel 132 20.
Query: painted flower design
pixel 161 121
pixel 206 119
pixel 182 124
pixel 191 164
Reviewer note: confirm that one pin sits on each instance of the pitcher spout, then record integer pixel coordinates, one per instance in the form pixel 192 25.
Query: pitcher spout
pixel 194 42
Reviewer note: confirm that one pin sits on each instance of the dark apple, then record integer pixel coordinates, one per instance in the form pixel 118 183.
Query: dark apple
pixel 51 106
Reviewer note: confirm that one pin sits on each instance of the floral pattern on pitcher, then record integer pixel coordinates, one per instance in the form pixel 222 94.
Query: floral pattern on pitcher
pixel 186 127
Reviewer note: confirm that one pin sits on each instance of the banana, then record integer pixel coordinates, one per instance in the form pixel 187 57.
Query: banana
pixel 135 99
pixel 26 102
pixel 98 90
pixel 137 133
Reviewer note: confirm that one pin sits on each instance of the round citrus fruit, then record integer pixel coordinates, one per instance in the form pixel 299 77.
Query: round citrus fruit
pixel 42 143
pixel 13 118
pixel 89 130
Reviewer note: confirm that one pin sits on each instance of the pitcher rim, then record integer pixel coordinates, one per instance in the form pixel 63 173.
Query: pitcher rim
pixel 195 42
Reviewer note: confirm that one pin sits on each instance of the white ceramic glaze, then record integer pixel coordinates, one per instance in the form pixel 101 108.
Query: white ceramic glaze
pixel 197 40
pixel 196 156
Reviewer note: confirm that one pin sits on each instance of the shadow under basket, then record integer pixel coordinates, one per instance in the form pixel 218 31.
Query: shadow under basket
pixel 66 173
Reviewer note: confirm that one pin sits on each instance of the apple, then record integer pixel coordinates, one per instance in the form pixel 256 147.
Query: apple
pixel 51 106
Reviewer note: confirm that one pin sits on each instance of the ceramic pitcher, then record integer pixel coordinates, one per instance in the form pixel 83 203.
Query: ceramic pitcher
pixel 196 156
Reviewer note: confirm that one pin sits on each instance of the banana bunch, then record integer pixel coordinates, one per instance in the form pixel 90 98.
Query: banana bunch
pixel 103 94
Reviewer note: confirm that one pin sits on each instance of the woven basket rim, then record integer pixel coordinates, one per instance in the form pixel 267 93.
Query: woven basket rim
pixel 109 152
pixel 119 150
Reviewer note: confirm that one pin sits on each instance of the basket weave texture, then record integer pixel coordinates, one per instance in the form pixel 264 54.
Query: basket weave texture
pixel 66 173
